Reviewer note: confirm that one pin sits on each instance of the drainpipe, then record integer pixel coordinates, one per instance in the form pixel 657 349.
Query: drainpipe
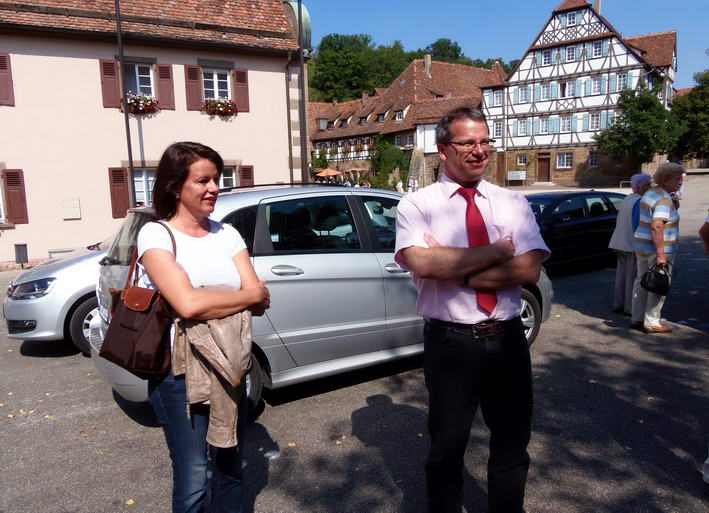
pixel 304 171
pixel 131 183
pixel 290 135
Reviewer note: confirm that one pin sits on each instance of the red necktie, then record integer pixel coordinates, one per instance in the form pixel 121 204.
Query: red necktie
pixel 477 236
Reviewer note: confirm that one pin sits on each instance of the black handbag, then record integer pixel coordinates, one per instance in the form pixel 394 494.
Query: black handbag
pixel 138 336
pixel 657 279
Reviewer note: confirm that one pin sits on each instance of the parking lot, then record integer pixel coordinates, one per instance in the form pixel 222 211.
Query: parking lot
pixel 621 420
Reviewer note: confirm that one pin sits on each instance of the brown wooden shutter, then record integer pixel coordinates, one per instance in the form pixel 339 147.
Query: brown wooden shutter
pixel 246 175
pixel 241 89
pixel 14 184
pixel 118 183
pixel 166 89
pixel 110 83
pixel 7 95
pixel 193 85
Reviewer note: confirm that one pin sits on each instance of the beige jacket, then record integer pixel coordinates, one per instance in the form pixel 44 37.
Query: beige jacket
pixel 214 356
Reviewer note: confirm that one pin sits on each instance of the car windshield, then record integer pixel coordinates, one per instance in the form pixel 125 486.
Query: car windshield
pixel 121 249
pixel 103 245
pixel 539 204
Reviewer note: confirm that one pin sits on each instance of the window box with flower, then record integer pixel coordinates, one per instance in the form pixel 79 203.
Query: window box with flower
pixel 220 107
pixel 332 151
pixel 141 103
pixel 359 147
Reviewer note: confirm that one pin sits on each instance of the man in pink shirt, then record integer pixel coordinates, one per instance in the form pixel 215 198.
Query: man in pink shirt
pixel 471 245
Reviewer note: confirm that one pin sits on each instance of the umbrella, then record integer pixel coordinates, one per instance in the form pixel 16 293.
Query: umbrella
pixel 329 172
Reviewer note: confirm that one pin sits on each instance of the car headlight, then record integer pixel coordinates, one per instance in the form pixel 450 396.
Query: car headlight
pixel 33 289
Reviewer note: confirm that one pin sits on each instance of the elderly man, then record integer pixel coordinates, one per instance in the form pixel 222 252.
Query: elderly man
pixel 622 241
pixel 470 246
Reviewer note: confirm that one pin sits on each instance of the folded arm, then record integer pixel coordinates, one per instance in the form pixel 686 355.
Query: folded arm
pixel 520 270
pixel 174 284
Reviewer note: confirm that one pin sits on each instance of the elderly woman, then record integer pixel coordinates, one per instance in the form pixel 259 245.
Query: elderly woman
pixel 656 242
pixel 622 242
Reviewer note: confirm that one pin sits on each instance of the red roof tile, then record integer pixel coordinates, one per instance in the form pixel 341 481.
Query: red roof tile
pixel 250 23
pixel 657 49
pixel 682 92
pixel 568 5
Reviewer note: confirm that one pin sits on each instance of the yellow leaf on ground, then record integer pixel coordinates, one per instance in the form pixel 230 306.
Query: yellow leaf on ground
pixel 130 502
pixel 49 417
pixel 292 444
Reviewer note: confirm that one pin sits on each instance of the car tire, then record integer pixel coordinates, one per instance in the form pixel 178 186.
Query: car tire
pixel 79 324
pixel 531 315
pixel 254 389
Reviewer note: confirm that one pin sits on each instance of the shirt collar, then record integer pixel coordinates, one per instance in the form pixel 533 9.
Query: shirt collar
pixel 450 186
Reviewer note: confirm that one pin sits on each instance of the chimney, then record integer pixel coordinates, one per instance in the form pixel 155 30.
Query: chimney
pixel 427 64
pixel 365 97
pixel 597 6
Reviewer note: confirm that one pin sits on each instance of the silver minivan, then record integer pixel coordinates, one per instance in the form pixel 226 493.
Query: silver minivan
pixel 339 302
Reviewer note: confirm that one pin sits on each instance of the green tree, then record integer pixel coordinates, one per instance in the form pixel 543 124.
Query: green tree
pixel 320 161
pixel 692 112
pixel 445 50
pixel 385 159
pixel 340 75
pixel 386 63
pixel 643 129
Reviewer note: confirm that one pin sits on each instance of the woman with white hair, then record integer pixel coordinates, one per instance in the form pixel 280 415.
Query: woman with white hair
pixel 622 242
pixel 656 242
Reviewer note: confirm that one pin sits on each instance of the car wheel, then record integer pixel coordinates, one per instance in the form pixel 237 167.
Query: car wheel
pixel 531 315
pixel 79 324
pixel 254 389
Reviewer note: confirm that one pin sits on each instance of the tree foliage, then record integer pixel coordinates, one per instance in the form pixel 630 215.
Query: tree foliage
pixel 344 65
pixel 385 159
pixel 643 129
pixel 692 112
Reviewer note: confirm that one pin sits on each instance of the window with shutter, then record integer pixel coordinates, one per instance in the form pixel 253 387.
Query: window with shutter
pixel 241 89
pixel 118 184
pixel 13 182
pixel 7 94
pixel 246 175
pixel 193 87
pixel 166 89
pixel 110 83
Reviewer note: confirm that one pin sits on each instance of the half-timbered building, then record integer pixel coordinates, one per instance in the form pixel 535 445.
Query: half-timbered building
pixel 565 89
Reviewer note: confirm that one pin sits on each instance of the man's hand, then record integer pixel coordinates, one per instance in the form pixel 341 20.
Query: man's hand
pixel 661 260
pixel 505 248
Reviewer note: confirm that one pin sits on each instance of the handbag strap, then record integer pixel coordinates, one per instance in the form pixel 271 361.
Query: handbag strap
pixel 669 269
pixel 134 259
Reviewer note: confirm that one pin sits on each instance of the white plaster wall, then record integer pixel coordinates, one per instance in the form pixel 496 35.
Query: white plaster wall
pixel 64 140
pixel 426 138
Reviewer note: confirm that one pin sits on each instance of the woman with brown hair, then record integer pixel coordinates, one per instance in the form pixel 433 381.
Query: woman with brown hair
pixel 210 276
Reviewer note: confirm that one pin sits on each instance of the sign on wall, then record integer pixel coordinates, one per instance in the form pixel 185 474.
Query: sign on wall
pixel 517 175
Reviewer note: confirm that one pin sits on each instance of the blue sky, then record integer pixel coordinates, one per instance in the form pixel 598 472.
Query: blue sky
pixel 505 28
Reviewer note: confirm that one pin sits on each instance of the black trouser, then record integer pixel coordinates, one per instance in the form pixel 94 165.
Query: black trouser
pixel 462 372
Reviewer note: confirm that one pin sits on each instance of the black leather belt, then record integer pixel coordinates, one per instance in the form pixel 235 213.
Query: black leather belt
pixel 484 329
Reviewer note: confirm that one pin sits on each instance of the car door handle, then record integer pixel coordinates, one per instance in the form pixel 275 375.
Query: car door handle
pixel 394 269
pixel 286 270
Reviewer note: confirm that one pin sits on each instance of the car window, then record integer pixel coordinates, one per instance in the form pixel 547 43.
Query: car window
pixel 244 220
pixel 121 249
pixel 617 201
pixel 382 212
pixel 596 206
pixel 308 224
pixel 539 205
pixel 572 207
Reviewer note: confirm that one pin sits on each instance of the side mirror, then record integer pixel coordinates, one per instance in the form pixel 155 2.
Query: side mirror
pixel 377 209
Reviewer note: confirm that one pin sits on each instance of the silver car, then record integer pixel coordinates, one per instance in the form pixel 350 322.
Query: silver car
pixel 339 301
pixel 56 300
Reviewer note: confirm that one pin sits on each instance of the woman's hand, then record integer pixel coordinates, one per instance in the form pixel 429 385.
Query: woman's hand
pixel 262 298
pixel 661 260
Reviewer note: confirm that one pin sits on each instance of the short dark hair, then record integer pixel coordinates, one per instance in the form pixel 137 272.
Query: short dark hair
pixel 443 130
pixel 173 170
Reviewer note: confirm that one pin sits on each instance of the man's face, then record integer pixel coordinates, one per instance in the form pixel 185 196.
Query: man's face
pixel 466 165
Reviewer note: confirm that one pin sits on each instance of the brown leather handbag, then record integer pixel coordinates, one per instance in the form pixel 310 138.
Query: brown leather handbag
pixel 138 336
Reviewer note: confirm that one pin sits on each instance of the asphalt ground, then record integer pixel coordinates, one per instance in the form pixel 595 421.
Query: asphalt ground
pixel 621 420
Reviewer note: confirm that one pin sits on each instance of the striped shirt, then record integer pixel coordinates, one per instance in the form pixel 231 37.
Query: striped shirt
pixel 656 205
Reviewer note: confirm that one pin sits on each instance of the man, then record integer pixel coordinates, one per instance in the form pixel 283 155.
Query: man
pixel 470 246
pixel 622 242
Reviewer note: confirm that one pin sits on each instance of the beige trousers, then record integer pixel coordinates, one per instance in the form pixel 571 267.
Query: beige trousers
pixel 647 306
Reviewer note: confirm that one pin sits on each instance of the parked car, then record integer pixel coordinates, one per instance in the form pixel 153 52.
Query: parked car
pixel 339 301
pixel 576 225
pixel 56 300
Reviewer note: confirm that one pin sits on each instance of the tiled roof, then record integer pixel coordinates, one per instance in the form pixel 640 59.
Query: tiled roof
pixel 249 23
pixel 682 92
pixel 428 97
pixel 657 49
pixel 568 5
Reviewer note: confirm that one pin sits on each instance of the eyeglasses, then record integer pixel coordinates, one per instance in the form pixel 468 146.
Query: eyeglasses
pixel 485 144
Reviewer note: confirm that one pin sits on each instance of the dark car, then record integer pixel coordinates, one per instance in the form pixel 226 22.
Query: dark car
pixel 576 225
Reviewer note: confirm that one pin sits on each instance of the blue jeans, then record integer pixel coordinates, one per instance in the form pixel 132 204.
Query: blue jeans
pixel 205 479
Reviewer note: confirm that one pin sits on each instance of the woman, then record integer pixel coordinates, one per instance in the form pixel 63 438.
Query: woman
pixel 209 256
pixel 622 242
pixel 656 243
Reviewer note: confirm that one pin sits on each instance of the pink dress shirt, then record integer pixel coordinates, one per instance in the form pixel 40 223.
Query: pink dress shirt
pixel 440 211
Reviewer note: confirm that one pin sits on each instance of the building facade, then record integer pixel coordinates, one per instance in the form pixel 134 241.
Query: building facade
pixel 66 178
pixel 565 90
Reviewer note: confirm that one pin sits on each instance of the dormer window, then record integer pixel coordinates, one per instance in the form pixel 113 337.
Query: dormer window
pixel 343 123
pixel 380 118
pixel 322 123
pixel 399 115
pixel 330 125
pixel 363 120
